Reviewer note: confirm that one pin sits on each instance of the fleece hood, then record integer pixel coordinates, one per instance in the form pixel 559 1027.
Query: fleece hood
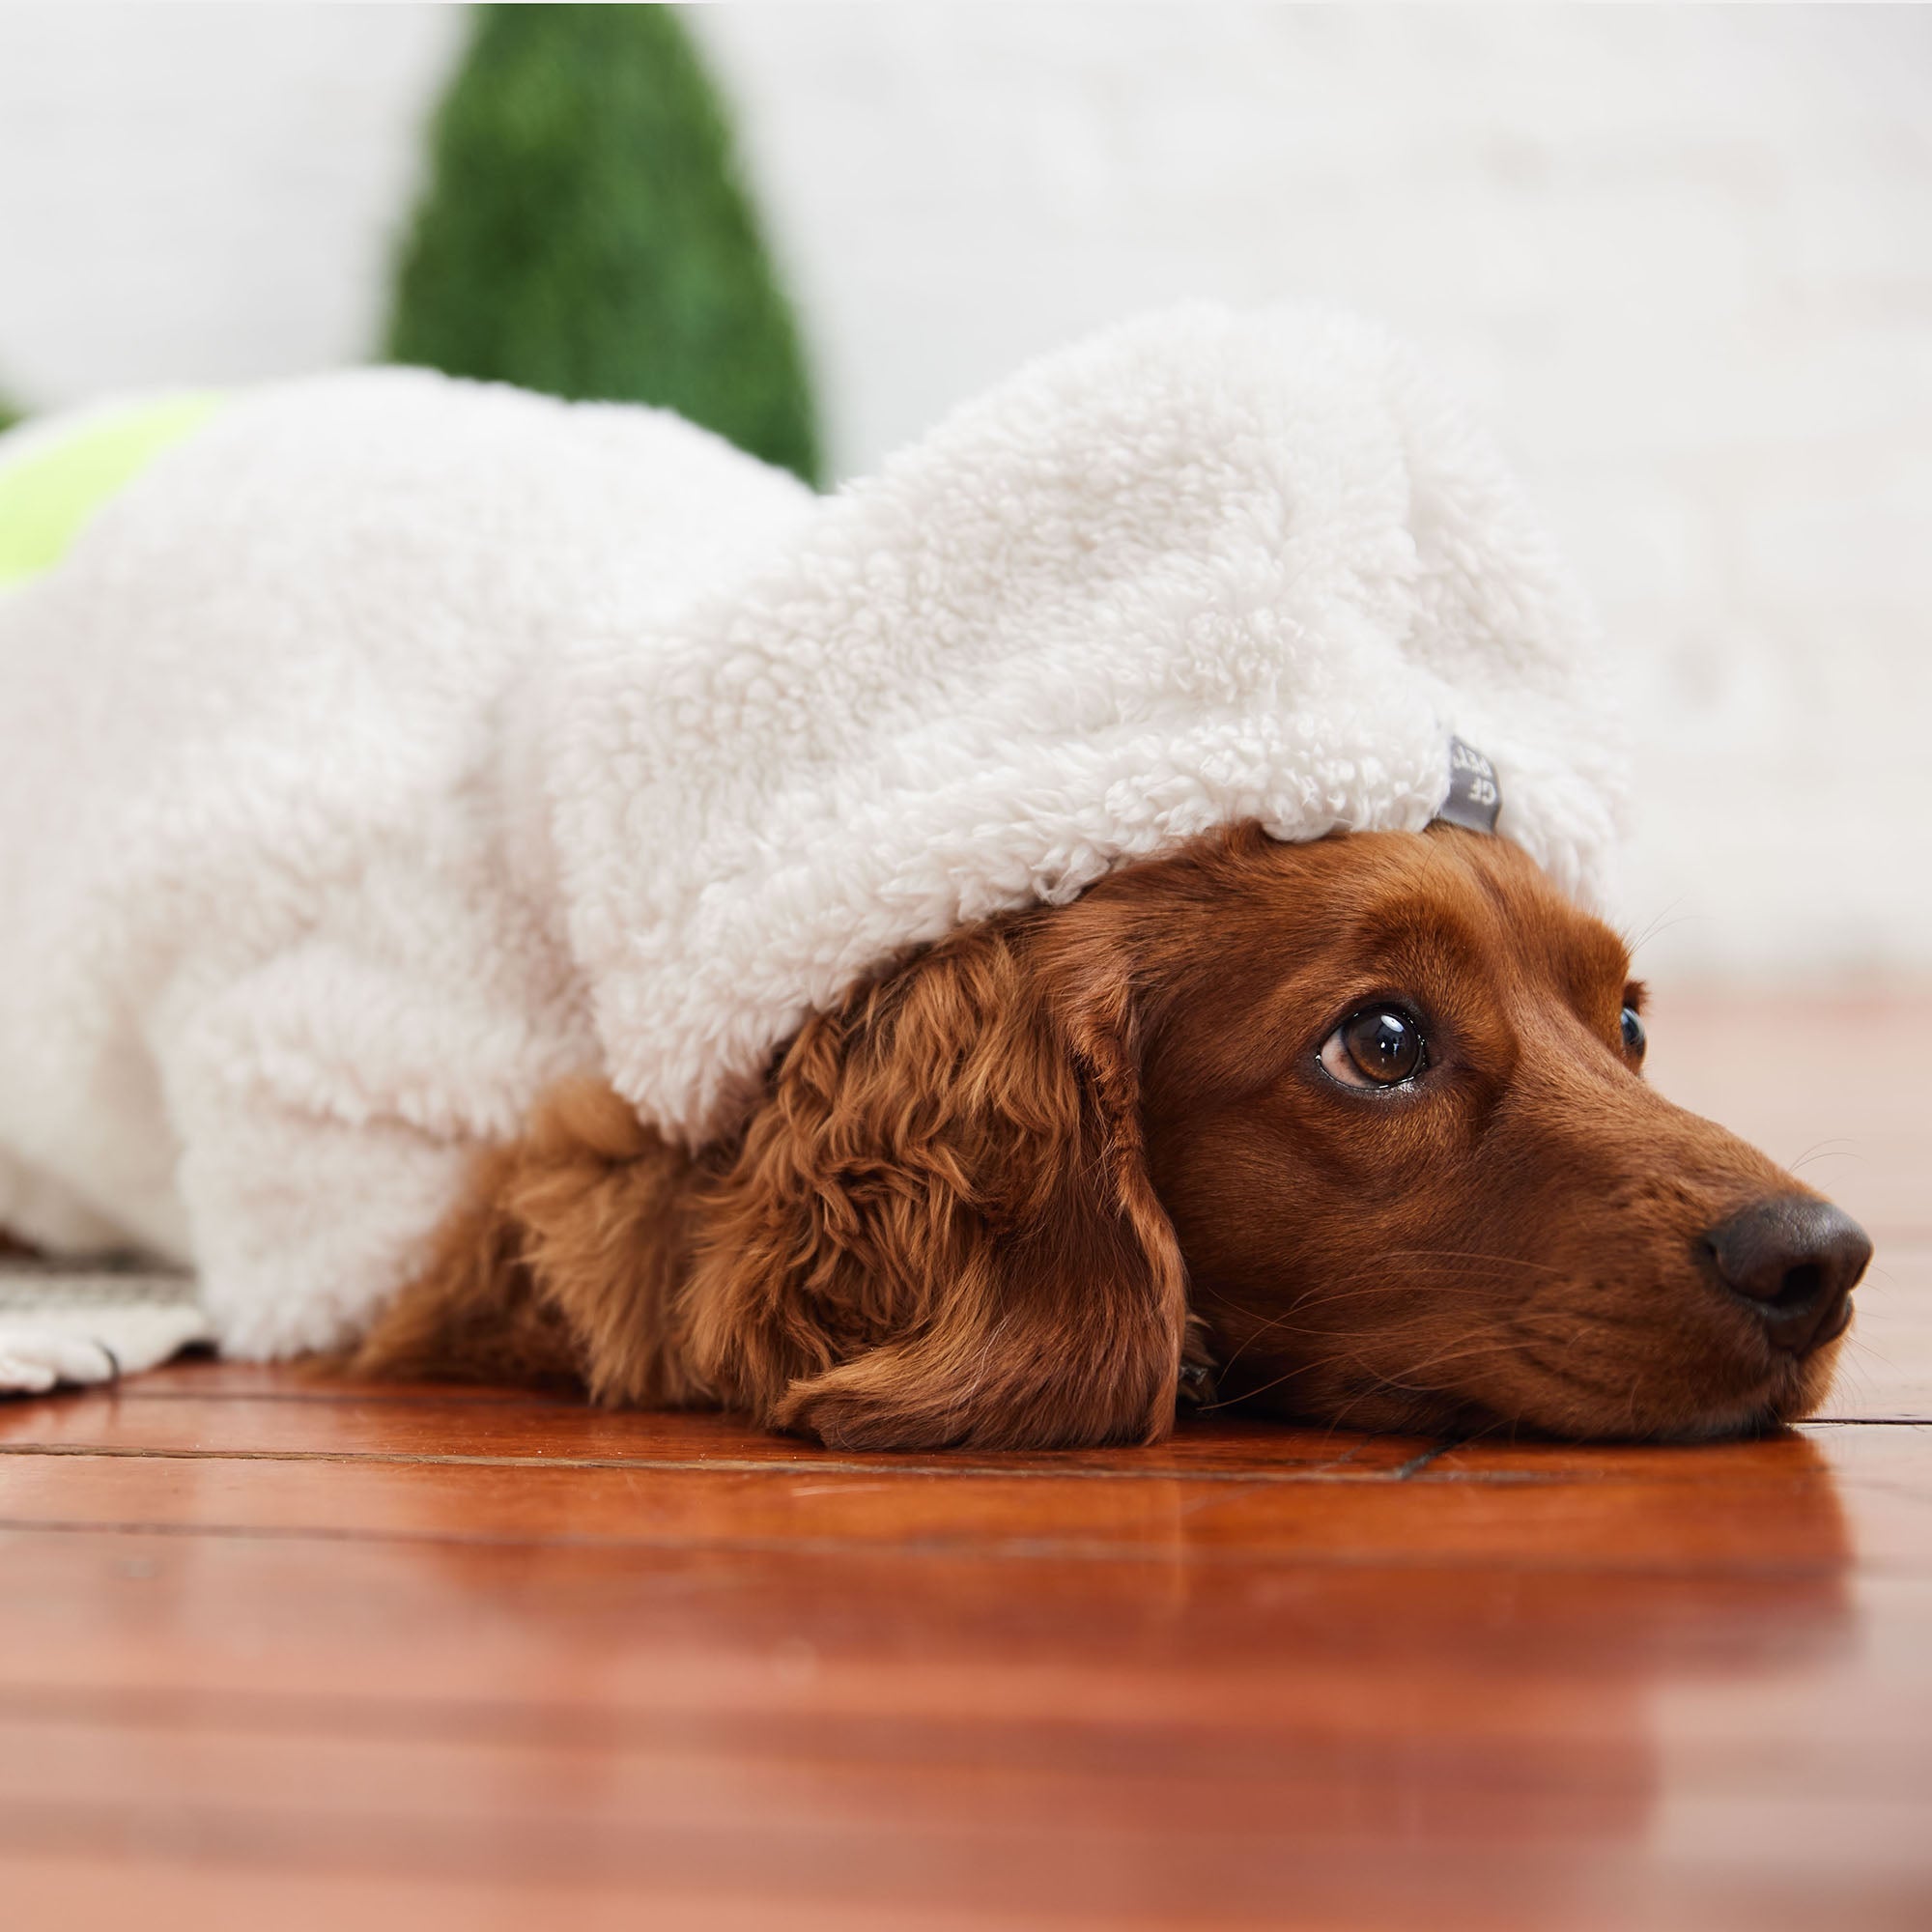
pixel 1204 568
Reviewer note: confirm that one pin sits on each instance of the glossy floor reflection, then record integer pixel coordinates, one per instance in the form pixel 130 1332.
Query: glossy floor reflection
pixel 322 1656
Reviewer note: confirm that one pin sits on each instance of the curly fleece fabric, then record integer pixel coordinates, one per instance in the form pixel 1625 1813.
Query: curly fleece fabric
pixel 396 746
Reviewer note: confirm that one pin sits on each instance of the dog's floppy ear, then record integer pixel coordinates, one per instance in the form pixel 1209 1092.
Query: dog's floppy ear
pixel 939 1228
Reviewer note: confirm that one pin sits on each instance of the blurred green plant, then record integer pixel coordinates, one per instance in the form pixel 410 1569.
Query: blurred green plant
pixel 8 415
pixel 585 231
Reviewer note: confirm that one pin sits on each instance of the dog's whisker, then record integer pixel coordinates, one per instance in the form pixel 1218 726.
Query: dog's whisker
pixel 1591 1384
pixel 1317 1298
pixel 1576 1320
pixel 1468 1254
pixel 1473 1351
pixel 1831 1153
pixel 1662 924
pixel 1635 945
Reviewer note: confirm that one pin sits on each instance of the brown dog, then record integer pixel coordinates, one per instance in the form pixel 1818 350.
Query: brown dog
pixel 1359 1127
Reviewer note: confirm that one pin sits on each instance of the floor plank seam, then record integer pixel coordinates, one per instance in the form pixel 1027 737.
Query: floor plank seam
pixel 1018 1550
pixel 1419 1471
pixel 1317 1472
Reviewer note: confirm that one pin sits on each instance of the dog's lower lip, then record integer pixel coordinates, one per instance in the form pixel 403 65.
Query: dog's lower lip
pixel 1747 1417
pixel 1839 1327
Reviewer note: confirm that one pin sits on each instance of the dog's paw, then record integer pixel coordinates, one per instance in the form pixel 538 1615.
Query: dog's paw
pixel 34 1360
pixel 61 1348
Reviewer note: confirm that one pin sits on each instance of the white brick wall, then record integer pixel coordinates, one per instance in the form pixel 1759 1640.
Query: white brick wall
pixel 1682 258
pixel 202 192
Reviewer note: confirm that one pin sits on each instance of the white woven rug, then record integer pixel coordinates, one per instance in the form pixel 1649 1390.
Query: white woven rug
pixel 29 1286
pixel 67 1325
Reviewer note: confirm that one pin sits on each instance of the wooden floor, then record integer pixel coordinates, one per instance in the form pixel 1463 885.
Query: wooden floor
pixel 306 1659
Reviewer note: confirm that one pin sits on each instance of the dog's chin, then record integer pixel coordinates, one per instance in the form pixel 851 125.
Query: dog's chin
pixel 1804 1387
pixel 1738 1400
pixel 1731 1398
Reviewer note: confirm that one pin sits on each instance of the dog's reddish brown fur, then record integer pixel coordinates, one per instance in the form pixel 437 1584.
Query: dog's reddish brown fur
pixel 1001 1194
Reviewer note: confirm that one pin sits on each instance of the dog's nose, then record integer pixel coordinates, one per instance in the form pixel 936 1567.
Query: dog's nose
pixel 1796 1260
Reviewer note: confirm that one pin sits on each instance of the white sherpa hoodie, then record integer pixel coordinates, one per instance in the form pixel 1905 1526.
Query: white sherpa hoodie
pixel 395 746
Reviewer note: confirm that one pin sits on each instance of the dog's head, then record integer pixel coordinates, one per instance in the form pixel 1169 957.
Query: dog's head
pixel 1361 1124
pixel 1401 1127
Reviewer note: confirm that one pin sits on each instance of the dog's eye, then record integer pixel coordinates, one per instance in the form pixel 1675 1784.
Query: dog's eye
pixel 1635 1038
pixel 1380 1046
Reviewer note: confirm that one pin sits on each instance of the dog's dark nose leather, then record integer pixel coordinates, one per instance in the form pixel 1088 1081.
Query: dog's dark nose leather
pixel 1796 1261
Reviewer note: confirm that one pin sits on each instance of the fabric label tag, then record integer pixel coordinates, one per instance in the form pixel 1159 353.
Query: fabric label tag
pixel 1474 796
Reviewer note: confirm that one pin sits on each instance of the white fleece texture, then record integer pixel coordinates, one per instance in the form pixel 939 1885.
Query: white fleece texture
pixel 398 745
